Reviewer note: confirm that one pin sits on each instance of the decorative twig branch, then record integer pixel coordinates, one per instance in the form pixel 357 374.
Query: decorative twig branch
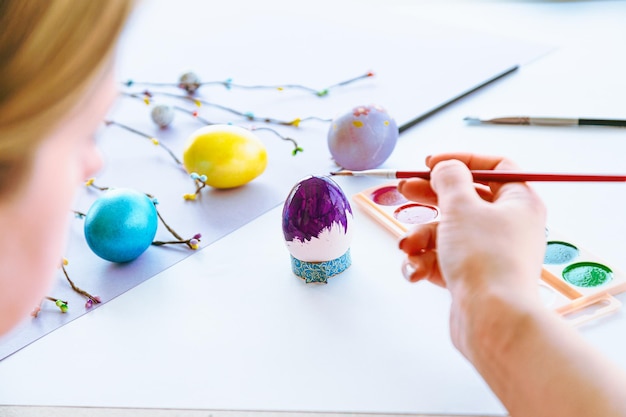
pixel 91 299
pixel 190 82
pixel 154 140
pixel 248 115
pixel 146 97
pixel 59 303
pixel 296 147
pixel 193 242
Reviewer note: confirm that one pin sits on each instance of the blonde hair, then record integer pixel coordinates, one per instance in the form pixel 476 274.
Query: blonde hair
pixel 50 52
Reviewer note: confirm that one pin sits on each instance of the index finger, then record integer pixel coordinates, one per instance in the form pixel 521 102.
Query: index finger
pixel 482 162
pixel 473 161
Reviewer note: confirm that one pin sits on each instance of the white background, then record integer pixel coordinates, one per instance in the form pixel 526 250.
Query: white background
pixel 231 328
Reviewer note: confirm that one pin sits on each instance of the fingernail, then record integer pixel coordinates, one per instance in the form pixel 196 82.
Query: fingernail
pixel 408 269
pixel 401 184
pixel 401 243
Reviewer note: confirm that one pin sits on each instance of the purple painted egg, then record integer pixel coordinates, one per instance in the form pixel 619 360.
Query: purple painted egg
pixel 363 138
pixel 317 227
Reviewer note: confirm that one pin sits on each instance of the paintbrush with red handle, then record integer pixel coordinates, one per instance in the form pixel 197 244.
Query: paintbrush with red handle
pixel 491 176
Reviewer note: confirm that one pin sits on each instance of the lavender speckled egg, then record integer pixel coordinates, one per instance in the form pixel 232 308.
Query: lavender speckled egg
pixel 363 138
pixel 317 227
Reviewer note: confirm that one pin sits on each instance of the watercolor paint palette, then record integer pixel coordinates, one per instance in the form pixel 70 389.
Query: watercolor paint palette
pixel 574 282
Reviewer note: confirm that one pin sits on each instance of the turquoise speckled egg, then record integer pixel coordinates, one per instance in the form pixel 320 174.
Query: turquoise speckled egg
pixel 121 225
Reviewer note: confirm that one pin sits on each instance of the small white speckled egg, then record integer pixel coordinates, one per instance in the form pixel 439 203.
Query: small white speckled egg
pixel 162 115
pixel 189 82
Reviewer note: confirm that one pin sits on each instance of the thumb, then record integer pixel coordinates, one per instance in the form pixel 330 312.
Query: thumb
pixel 452 181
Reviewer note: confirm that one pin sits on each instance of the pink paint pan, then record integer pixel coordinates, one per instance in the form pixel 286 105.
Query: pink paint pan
pixel 392 210
pixel 574 282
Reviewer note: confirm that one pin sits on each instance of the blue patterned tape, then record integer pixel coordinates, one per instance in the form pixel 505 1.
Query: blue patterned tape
pixel 320 271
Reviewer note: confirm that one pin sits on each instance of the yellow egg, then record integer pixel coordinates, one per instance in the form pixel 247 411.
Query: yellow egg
pixel 229 156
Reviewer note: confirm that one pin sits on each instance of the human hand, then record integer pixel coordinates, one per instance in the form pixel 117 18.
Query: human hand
pixel 491 237
pixel 488 251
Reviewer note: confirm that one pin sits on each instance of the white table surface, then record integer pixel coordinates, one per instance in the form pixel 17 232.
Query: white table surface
pixel 230 328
